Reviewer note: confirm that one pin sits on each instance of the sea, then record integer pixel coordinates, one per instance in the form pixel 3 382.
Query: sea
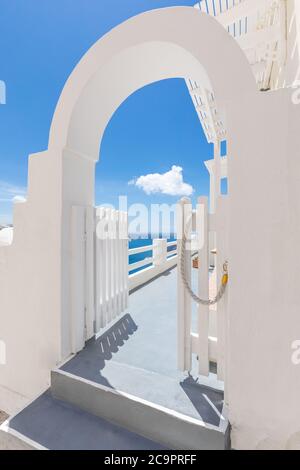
pixel 136 242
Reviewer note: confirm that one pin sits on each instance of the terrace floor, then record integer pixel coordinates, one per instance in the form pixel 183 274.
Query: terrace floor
pixel 137 355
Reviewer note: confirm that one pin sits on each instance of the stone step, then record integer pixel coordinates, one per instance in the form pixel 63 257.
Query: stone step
pixel 157 423
pixel 52 424
pixel 178 391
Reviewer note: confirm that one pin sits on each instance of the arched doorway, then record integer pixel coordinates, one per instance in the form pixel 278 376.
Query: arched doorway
pixel 157 45
pixel 262 140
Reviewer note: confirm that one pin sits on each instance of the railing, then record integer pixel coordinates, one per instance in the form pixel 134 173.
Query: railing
pixel 164 257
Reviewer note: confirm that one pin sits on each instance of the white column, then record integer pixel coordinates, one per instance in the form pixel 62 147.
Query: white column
pixel 78 276
pixel 222 256
pixel 217 173
pixel 159 251
pixel 90 271
pixel 212 191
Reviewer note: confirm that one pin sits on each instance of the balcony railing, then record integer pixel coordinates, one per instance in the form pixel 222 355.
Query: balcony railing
pixel 164 257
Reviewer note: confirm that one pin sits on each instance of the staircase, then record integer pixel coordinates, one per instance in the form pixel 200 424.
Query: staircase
pixel 123 390
pixel 77 413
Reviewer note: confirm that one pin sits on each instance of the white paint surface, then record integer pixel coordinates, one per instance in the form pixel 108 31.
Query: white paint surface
pixel 264 218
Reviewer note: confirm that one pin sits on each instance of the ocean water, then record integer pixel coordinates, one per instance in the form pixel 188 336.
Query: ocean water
pixel 138 242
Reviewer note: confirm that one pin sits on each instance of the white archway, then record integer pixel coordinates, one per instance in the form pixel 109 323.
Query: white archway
pixel 160 44
pixel 263 166
pixel 168 43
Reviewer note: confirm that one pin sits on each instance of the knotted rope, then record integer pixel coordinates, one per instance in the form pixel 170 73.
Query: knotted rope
pixel 195 297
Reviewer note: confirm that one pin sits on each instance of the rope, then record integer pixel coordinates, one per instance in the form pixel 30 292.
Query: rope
pixel 195 297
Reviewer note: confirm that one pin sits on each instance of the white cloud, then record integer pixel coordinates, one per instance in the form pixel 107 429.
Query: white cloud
pixel 17 199
pixel 11 193
pixel 170 183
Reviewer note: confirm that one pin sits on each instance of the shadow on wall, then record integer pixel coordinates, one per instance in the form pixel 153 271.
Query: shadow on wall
pixel 89 362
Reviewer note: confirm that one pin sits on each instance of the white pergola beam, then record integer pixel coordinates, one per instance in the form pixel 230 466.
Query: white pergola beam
pixel 252 40
pixel 210 165
pixel 241 10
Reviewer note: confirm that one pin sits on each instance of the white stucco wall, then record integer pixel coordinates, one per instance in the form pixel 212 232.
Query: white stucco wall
pixel 30 287
pixel 263 172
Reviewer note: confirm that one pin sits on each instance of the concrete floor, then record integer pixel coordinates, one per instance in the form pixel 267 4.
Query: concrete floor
pixel 137 355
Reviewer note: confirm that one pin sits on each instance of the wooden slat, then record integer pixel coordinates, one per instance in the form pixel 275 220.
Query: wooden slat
pixel 90 304
pixel 184 349
pixel 125 261
pixel 117 267
pixel 203 286
pixel 110 270
pixel 100 264
pixel 115 264
pixel 78 278
pixel 111 263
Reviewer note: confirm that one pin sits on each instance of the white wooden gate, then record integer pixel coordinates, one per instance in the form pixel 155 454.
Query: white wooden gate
pixel 208 342
pixel 82 276
pixel 98 271
pixel 111 265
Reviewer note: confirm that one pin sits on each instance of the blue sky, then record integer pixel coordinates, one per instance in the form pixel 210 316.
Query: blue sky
pixel 156 128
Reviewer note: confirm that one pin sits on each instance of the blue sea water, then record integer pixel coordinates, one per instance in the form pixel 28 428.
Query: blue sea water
pixel 137 242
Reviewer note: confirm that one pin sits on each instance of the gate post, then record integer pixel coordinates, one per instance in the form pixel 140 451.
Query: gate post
pixel 222 254
pixel 160 251
pixel 203 285
pixel 90 271
pixel 78 287
pixel 184 305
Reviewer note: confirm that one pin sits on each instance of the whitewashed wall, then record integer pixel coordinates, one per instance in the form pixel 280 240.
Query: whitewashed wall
pixel 264 320
pixel 35 272
pixel 30 287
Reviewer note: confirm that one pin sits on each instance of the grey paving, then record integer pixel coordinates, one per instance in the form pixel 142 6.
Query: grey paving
pixel 57 425
pixel 138 355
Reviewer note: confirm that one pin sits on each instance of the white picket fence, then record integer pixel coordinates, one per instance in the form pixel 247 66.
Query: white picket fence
pixel 100 280
pixel 111 254
pixel 208 342
pixel 99 270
